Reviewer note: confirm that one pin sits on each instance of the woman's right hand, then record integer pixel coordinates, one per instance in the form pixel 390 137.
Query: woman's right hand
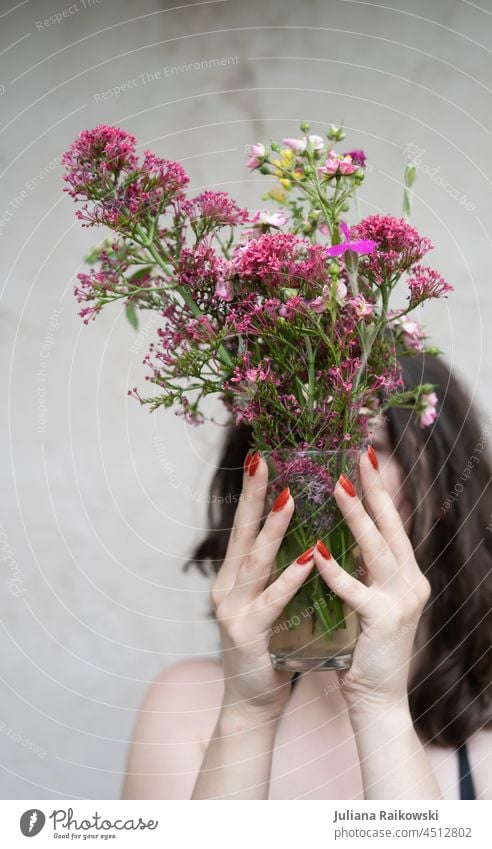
pixel 246 608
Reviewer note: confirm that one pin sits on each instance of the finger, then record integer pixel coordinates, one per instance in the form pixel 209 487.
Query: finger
pixel 350 590
pixel 255 571
pixel 385 512
pixel 270 604
pixel 246 523
pixel 375 552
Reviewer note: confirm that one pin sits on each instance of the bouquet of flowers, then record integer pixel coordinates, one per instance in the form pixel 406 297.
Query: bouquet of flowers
pixel 285 313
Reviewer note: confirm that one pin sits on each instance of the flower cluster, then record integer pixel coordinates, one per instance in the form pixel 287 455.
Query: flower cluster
pixel 282 313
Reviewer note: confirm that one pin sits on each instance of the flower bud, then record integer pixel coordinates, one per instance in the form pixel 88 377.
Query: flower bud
pixel 304 126
pixel 335 133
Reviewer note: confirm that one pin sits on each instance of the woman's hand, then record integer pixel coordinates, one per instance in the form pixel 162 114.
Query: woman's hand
pixel 246 607
pixel 390 604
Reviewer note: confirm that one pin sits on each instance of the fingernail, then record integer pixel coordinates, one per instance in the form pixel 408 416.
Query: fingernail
pixel 253 464
pixel 347 485
pixel 323 549
pixel 247 460
pixel 372 457
pixel 306 557
pixel 281 500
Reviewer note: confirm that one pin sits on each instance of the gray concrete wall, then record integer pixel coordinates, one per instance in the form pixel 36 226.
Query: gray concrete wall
pixel 100 509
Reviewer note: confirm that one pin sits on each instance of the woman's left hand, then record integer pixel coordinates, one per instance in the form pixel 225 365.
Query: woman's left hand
pixel 390 604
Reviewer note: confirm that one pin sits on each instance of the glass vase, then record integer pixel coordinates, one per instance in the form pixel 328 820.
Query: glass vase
pixel 316 630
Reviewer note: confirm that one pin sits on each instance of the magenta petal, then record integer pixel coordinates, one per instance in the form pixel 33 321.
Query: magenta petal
pixel 345 230
pixel 337 250
pixel 365 246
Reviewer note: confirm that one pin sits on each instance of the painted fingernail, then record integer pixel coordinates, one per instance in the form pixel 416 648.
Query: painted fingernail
pixel 253 464
pixel 281 500
pixel 323 549
pixel 247 461
pixel 372 457
pixel 347 485
pixel 306 557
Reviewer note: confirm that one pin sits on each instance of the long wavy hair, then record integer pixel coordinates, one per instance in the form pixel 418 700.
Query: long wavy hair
pixel 447 478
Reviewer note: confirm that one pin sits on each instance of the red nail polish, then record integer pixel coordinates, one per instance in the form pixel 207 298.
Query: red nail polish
pixel 306 557
pixel 372 457
pixel 247 460
pixel 281 500
pixel 323 549
pixel 347 485
pixel 253 464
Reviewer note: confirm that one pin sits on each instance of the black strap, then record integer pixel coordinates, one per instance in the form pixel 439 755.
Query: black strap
pixel 467 790
pixel 294 679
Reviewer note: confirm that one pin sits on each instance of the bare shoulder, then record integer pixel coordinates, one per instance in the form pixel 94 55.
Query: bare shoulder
pixel 480 756
pixel 175 723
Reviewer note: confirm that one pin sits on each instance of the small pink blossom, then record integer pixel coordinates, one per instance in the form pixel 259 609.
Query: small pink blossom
pixel 272 219
pixel 258 151
pixel 429 412
pixel 337 164
pixel 299 145
pixel 426 283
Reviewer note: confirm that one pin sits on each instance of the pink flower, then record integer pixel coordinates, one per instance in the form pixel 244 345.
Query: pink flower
pixel 399 246
pixel 224 289
pixel 358 157
pixel 272 219
pixel 98 155
pixel 217 208
pixel 322 302
pixel 337 164
pixel 426 283
pixel 102 167
pixel 362 307
pixel 412 332
pixel 299 145
pixel 429 412
pixel 258 154
pixel 363 246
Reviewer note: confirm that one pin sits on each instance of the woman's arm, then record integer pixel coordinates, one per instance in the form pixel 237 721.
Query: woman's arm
pixel 393 762
pixel 238 760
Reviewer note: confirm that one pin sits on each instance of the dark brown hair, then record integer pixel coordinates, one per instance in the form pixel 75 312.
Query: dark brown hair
pixel 447 478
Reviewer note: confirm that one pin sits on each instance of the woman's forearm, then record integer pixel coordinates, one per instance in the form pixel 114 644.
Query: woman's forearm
pixel 394 764
pixel 238 759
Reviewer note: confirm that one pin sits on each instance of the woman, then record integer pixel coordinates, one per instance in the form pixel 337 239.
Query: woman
pixel 411 718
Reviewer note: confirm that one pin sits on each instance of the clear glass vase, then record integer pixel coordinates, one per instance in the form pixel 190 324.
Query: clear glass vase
pixel 316 629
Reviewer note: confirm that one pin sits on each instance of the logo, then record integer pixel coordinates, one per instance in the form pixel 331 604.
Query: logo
pixel 31 822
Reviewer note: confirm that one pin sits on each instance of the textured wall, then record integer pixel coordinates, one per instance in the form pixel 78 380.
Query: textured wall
pixel 100 501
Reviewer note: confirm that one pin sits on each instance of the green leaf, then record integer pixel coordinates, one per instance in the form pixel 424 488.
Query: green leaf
pixel 93 256
pixel 140 273
pixel 131 314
